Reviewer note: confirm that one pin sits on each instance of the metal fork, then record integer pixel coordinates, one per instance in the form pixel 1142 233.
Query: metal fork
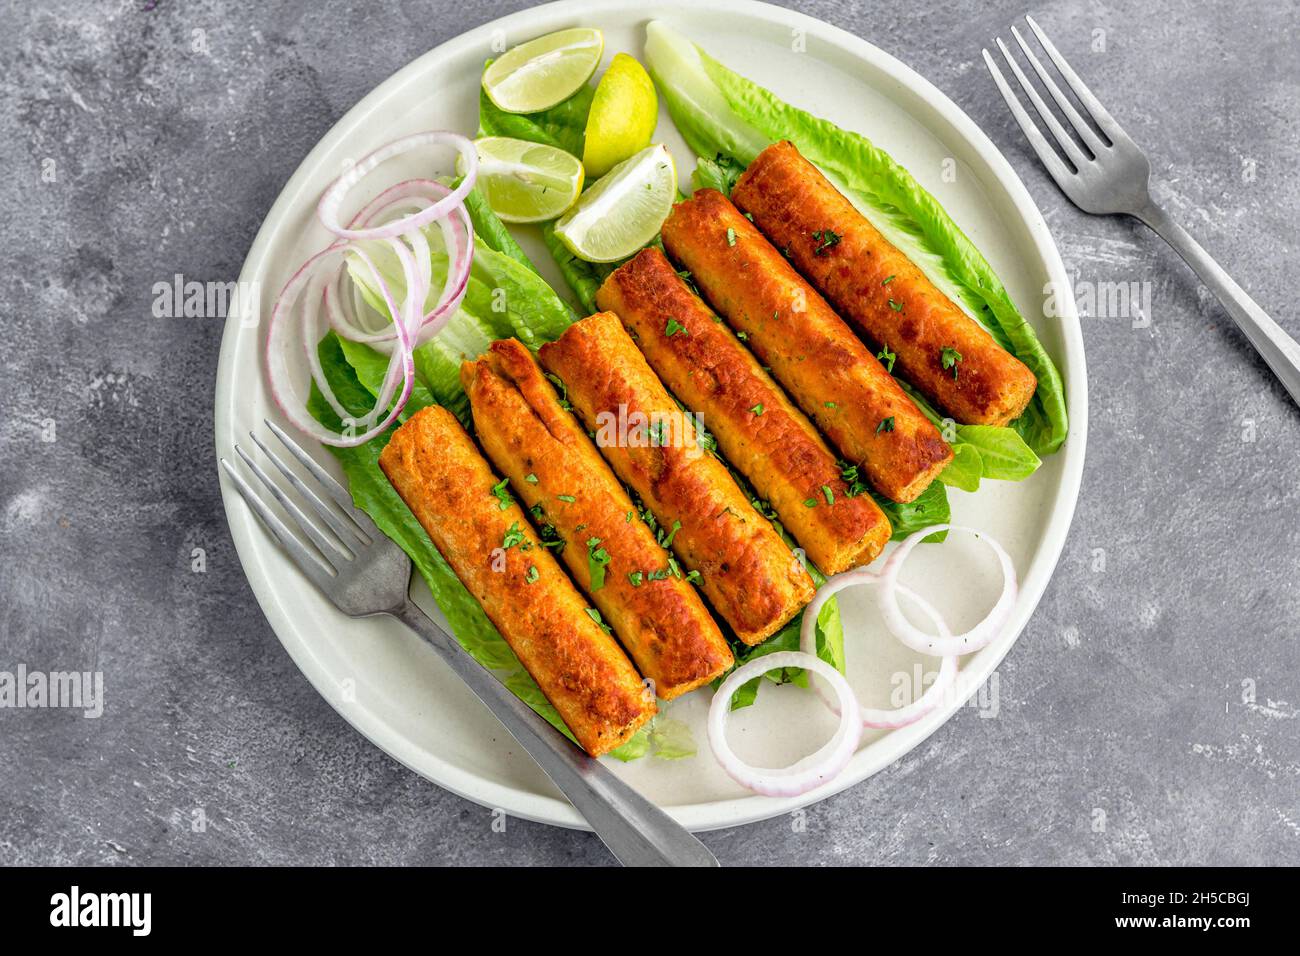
pixel 364 573
pixel 1109 173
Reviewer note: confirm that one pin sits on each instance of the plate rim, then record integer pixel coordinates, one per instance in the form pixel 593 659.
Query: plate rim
pixel 721 813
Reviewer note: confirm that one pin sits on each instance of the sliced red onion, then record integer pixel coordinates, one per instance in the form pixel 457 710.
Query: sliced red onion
pixel 458 239
pixel 332 200
pixel 279 347
pixel 945 645
pixel 875 718
pixel 319 298
pixel 806 774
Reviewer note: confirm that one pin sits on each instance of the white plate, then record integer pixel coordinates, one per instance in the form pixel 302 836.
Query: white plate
pixel 395 691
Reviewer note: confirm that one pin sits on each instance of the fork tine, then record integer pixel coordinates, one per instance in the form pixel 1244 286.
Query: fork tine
pixel 347 532
pixel 369 532
pixel 1063 139
pixel 1036 139
pixel 1114 132
pixel 1077 122
pixel 331 551
pixel 310 564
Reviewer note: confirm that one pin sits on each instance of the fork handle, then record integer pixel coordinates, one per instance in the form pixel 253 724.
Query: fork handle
pixel 1271 341
pixel 636 831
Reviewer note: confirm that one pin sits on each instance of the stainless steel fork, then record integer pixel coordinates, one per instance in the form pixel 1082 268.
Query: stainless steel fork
pixel 1107 173
pixel 364 573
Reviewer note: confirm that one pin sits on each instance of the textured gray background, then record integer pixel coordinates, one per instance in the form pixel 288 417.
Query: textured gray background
pixel 1124 696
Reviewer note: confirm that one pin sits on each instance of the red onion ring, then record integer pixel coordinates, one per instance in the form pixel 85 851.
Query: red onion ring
pixel 875 718
pixel 328 208
pixel 805 774
pixel 319 289
pixel 945 645
pixel 287 398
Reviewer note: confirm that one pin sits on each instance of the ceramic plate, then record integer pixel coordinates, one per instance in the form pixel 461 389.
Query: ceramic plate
pixel 394 690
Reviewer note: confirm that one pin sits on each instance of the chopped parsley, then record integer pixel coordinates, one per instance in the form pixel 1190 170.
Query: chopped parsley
pixel 825 238
pixel 828 494
pixel 532 574
pixel 888 279
pixel 636 577
pixel 569 498
pixel 595 616
pixel 849 473
pixel 546 531
pixel 514 535
pixel 886 425
pixel 731 236
pixel 597 562
pixel 887 359
pixel 673 327
pixel 950 357
pixel 666 540
pixel 830 405
pixel 757 409
pixel 810 503
pixel 530 478
pixel 502 494
pixel 896 306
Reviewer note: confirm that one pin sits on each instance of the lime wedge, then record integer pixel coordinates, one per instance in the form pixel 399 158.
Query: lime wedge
pixel 623 115
pixel 526 182
pixel 623 210
pixel 541 73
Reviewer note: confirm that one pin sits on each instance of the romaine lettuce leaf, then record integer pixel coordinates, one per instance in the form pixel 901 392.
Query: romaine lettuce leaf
pixel 563 126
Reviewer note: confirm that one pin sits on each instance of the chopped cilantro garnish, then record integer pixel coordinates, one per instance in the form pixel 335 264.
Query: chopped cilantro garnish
pixel 595 616
pixel 514 535
pixel 597 562
pixel 949 357
pixel 887 359
pixel 825 238
pixel 502 494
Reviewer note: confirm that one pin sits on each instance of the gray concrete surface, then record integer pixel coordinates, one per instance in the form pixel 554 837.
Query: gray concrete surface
pixel 1148 715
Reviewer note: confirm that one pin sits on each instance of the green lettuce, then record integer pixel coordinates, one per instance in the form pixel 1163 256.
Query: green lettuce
pixel 979 451
pixel 563 126
pixel 722 116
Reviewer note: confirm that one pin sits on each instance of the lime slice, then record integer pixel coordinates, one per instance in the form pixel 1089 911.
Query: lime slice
pixel 541 73
pixel 526 182
pixel 622 118
pixel 623 210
